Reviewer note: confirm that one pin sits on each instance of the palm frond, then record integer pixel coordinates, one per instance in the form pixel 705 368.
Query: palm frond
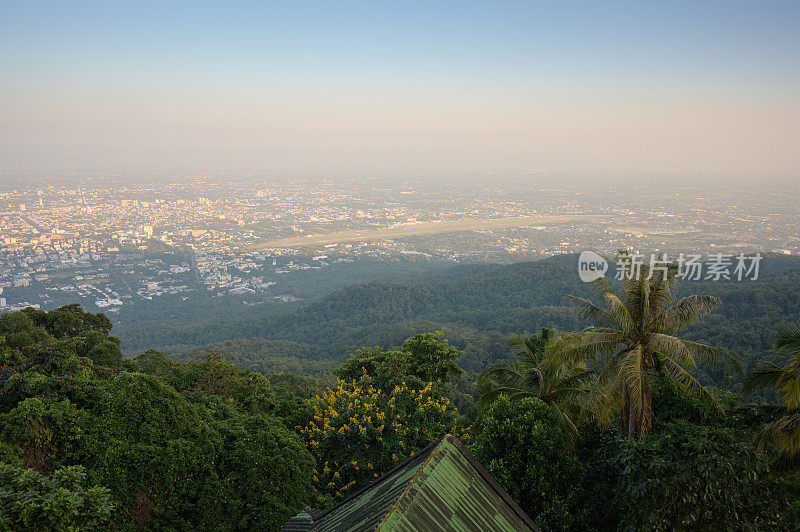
pixel 619 312
pixel 679 374
pixel 574 390
pixel 623 317
pixel 526 348
pixel 789 340
pixel 489 397
pixel 589 311
pixel 587 346
pixel 515 375
pixel 763 375
pixel 687 312
pixel 661 296
pixel 636 297
pixel 688 353
pixel 789 384
pixel 565 422
pixel 606 397
pixel 600 288
pixel 784 435
pixel 637 382
pixel 606 394
pixel 538 372
pixel 581 379
pixel 498 372
pixel 572 396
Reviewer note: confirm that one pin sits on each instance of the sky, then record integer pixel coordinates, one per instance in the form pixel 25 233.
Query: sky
pixel 706 88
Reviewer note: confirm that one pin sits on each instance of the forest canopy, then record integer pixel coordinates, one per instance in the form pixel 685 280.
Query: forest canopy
pixel 90 439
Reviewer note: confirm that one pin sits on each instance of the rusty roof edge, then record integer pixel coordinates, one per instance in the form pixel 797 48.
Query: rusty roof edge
pixel 413 481
pixel 492 482
pixel 380 480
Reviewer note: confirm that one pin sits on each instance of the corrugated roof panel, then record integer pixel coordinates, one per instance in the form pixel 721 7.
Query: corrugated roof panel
pixel 365 510
pixel 442 488
pixel 450 494
pixel 302 522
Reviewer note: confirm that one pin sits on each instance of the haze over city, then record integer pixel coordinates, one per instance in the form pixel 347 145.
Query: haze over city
pixel 588 89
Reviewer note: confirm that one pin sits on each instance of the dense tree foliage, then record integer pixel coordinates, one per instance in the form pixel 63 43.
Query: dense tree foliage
pixel 477 307
pixel 264 356
pixel 202 453
pixel 422 358
pixel 69 321
pixel 523 447
pixel 386 406
pixel 60 501
pixel 685 476
pixel 89 439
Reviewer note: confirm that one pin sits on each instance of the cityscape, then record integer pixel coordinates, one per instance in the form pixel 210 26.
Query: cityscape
pixel 109 242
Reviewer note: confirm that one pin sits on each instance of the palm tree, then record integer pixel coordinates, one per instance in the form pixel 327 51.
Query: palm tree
pixel 784 433
pixel 535 373
pixel 633 335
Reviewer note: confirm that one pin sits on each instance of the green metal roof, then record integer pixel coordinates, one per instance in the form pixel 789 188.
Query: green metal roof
pixel 299 523
pixel 441 488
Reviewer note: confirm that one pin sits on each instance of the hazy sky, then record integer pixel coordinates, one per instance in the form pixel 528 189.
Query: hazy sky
pixel 392 87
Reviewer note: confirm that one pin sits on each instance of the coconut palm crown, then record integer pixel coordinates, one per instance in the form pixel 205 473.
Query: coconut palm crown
pixel 783 434
pixel 633 334
pixel 562 385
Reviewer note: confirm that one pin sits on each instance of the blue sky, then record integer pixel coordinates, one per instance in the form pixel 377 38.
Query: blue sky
pixel 582 87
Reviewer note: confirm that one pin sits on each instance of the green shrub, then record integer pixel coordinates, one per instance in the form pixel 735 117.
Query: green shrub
pixel 523 448
pixel 63 500
pixel 689 476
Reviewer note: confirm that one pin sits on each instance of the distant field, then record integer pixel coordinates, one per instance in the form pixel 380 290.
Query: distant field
pixel 656 232
pixel 424 228
pixel 685 237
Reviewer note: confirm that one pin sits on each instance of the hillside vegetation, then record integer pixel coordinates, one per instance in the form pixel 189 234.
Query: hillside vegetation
pixel 477 306
pixel 90 440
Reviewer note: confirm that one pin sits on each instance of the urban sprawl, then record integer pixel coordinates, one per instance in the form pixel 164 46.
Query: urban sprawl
pixel 111 244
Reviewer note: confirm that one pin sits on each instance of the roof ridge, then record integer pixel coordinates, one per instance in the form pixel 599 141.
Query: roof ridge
pixel 380 479
pixel 487 477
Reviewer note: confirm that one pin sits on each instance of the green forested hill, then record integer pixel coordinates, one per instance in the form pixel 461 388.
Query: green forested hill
pixel 477 306
pixel 90 440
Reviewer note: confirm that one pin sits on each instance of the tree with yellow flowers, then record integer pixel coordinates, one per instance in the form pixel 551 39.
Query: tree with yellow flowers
pixel 358 432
